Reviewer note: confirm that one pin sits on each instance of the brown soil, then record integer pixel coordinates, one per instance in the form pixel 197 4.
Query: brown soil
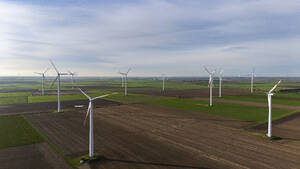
pixel 140 136
pixel 190 93
pixel 48 106
pixel 253 103
pixel 287 128
pixel 34 156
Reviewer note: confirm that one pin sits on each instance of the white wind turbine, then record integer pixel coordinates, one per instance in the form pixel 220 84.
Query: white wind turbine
pixel 124 80
pixel 90 112
pixel 58 85
pixel 252 80
pixel 210 84
pixel 163 80
pixel 122 77
pixel 72 77
pixel 270 94
pixel 43 80
pixel 220 83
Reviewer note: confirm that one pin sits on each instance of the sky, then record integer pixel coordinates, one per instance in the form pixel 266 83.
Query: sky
pixel 176 37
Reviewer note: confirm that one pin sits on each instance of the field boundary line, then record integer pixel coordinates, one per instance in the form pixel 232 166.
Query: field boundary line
pixel 248 103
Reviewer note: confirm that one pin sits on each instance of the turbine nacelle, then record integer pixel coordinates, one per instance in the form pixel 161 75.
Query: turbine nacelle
pixel 91 100
pixel 211 76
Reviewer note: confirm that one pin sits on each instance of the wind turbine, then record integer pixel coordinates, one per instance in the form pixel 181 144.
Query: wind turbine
pixel 43 80
pixel 163 79
pixel 58 85
pixel 124 80
pixel 252 80
pixel 220 83
pixel 90 112
pixel 210 84
pixel 122 77
pixel 72 77
pixel 270 94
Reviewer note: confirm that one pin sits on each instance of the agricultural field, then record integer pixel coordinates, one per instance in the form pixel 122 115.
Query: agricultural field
pixel 150 128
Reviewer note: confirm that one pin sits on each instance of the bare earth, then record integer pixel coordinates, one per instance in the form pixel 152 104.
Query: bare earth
pixel 141 136
pixel 48 106
pixel 34 156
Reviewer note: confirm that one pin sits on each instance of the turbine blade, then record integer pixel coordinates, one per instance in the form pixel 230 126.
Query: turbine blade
pixel 104 96
pixel 46 70
pixel 87 114
pixel 54 81
pixel 128 70
pixel 206 69
pixel 54 66
pixel 85 94
pixel 38 73
pixel 275 86
pixel 64 74
pixel 100 96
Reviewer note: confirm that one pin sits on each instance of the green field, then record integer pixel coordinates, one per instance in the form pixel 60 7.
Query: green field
pixel 15 130
pixel 235 111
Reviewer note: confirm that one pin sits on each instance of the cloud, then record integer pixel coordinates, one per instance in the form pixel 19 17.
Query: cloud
pixel 177 36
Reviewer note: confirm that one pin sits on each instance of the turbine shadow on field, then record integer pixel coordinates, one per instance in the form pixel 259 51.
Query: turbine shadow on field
pixel 290 139
pixel 106 160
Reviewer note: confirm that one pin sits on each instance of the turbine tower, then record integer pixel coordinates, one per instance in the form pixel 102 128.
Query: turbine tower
pixel 72 77
pixel 43 80
pixel 252 80
pixel 270 94
pixel 210 84
pixel 124 80
pixel 163 80
pixel 220 83
pixel 58 85
pixel 122 77
pixel 90 112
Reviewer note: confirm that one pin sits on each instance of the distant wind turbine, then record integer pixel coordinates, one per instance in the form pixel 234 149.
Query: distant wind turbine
pixel 163 80
pixel 252 79
pixel 270 94
pixel 43 80
pixel 124 80
pixel 220 83
pixel 210 84
pixel 58 85
pixel 72 77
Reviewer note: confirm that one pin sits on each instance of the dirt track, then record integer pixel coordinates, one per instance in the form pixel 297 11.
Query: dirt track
pixel 253 103
pixel 190 93
pixel 139 136
pixel 34 156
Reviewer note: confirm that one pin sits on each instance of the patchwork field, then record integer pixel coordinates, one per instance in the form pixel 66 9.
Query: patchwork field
pixel 149 128
pixel 139 136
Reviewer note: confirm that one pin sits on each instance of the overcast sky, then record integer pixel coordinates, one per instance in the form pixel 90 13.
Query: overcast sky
pixel 178 37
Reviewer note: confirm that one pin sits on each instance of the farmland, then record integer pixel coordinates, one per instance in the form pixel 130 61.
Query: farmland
pixel 150 128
